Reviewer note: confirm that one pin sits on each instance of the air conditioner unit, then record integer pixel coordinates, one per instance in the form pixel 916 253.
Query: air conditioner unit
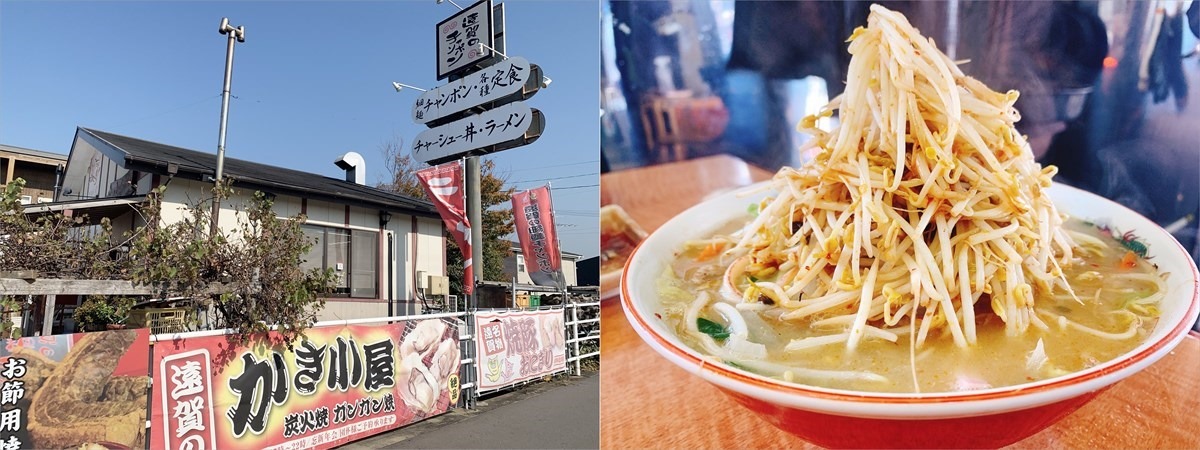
pixel 422 280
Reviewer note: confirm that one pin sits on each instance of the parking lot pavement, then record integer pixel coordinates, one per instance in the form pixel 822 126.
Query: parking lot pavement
pixel 560 414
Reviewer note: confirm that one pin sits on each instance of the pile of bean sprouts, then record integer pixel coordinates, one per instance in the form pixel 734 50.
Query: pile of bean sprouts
pixel 923 200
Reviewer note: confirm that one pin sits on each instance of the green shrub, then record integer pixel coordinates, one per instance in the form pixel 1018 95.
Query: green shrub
pixel 97 312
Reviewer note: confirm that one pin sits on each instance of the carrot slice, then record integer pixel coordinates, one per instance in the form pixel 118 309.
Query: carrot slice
pixel 710 251
pixel 1129 260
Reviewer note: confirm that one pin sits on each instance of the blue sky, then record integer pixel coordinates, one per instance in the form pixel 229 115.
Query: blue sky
pixel 312 81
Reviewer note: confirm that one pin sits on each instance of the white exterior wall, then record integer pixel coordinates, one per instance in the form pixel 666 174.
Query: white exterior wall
pixel 516 261
pixel 518 267
pixel 569 273
pixel 424 235
pixel 428 241
pixel 287 206
pixel 326 213
pixel 431 251
pixel 181 193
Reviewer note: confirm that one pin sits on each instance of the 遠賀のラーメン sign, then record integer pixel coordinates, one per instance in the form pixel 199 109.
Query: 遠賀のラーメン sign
pixel 459 36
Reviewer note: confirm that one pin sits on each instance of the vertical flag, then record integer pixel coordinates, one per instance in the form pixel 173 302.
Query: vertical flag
pixel 539 240
pixel 444 186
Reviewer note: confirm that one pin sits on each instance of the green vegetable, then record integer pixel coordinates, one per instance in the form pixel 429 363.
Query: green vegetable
pixel 716 330
pixel 739 366
pixel 752 209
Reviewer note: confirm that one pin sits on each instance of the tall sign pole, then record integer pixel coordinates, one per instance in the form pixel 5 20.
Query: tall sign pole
pixel 480 111
pixel 475 218
pixel 238 34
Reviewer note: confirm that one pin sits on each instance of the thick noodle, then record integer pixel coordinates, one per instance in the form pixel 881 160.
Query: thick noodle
pixel 924 201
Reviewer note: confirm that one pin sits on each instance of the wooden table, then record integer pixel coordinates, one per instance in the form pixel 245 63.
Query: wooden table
pixel 647 402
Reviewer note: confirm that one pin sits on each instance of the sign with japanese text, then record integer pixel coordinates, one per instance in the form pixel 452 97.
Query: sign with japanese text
pixel 339 384
pixel 72 390
pixel 459 36
pixel 534 222
pixel 489 84
pixel 515 124
pixel 444 184
pixel 515 346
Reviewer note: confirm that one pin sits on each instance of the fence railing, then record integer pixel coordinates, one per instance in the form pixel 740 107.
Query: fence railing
pixel 583 328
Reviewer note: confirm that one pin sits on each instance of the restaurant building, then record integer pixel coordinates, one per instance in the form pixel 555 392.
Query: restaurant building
pixel 377 242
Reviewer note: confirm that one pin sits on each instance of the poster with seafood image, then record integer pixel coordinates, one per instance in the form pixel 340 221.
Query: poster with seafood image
pixel 335 385
pixel 72 391
pixel 515 346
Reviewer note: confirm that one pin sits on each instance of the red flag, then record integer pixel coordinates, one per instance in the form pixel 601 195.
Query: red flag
pixel 539 241
pixel 444 186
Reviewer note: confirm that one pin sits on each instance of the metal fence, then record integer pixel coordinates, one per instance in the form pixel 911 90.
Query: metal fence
pixel 583 334
pixel 581 321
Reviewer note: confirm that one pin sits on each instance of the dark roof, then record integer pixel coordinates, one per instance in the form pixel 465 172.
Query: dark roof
pixel 152 157
pixel 32 152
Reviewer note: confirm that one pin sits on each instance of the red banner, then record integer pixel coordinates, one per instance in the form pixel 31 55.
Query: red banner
pixel 74 390
pixel 339 384
pixel 539 241
pixel 444 186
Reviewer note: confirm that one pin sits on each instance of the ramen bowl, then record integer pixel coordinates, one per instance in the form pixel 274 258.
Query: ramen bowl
pixel 992 417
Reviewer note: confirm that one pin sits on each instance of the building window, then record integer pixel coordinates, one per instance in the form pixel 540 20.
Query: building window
pixel 520 264
pixel 352 254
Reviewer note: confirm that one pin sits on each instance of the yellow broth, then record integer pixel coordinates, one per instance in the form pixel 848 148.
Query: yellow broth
pixel 996 359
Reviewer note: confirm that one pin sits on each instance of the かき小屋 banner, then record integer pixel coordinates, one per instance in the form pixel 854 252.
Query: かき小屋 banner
pixel 515 346
pixel 71 390
pixel 339 384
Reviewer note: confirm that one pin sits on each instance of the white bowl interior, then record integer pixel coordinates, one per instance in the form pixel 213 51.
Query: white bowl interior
pixel 656 253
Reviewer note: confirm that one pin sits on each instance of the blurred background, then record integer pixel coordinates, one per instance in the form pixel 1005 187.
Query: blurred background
pixel 1108 88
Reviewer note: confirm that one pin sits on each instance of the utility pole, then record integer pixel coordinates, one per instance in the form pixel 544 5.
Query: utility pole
pixel 238 34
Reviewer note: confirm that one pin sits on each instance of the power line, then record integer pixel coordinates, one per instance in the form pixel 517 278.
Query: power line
pixel 556 188
pixel 596 174
pixel 556 165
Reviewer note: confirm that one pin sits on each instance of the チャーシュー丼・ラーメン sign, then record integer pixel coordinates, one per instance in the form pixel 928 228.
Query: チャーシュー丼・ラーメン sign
pixel 508 126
